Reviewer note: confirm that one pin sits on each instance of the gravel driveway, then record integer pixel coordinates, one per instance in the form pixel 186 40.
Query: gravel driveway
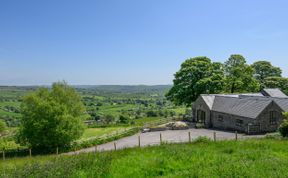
pixel 170 136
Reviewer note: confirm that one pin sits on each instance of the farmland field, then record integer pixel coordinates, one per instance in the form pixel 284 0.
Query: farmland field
pixel 97 132
pixel 137 105
pixel 202 158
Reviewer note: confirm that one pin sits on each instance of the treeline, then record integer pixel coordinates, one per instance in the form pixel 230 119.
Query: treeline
pixel 200 75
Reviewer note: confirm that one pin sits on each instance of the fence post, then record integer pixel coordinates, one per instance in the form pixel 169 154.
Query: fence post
pixel 3 154
pixel 115 146
pixel 95 148
pixel 160 138
pixel 189 135
pixel 236 135
pixel 139 141
pixel 57 150
pixel 30 152
pixel 214 136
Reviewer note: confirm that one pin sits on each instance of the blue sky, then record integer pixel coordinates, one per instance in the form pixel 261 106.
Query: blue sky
pixel 133 42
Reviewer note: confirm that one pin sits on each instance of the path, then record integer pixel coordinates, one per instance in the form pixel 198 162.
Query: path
pixel 170 136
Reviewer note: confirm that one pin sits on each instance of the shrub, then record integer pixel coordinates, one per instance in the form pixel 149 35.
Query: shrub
pixel 199 125
pixel 202 139
pixel 283 129
pixel 151 113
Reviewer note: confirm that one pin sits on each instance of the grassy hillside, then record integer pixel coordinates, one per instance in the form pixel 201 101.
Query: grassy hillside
pixel 250 158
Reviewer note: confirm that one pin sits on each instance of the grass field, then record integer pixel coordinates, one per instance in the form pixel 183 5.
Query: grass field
pixel 97 132
pixel 144 120
pixel 249 158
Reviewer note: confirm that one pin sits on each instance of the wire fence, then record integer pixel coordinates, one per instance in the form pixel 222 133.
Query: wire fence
pixel 137 141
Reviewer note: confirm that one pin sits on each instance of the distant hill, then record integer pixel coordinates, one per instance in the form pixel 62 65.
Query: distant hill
pixel 126 88
pixel 16 91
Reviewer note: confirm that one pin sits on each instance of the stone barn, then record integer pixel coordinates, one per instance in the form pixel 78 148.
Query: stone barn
pixel 250 113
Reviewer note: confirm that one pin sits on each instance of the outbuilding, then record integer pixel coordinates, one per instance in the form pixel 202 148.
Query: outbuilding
pixel 250 113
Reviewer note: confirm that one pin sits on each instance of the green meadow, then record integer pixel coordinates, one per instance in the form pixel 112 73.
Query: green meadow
pixel 202 158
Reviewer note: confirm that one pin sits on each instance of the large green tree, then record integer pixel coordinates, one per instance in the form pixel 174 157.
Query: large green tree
pixel 277 82
pixel 239 75
pixel 196 76
pixel 51 117
pixel 264 69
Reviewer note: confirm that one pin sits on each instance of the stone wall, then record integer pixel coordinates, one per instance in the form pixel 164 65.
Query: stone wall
pixel 201 105
pixel 264 118
pixel 230 122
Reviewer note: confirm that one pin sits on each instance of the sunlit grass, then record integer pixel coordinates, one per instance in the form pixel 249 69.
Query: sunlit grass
pixel 97 132
pixel 249 158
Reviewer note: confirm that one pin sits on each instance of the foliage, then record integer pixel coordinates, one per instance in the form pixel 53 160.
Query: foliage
pixel 277 82
pixel 197 76
pixel 264 69
pixel 124 119
pixel 249 158
pixel 151 113
pixel 239 75
pixel 51 118
pixel 100 140
pixel 3 126
pixel 107 119
pixel 7 144
pixel 283 129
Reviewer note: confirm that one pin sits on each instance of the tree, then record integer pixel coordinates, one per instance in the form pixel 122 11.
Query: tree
pixel 277 82
pixel 107 119
pixel 264 69
pixel 2 127
pixel 196 76
pixel 239 75
pixel 123 119
pixel 51 118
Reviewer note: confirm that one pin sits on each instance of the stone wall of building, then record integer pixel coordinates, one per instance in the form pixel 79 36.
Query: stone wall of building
pixel 268 125
pixel 230 122
pixel 201 105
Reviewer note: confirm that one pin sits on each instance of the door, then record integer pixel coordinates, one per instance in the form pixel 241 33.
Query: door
pixel 201 116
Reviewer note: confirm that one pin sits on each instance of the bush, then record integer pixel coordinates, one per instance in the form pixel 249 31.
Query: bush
pixel 283 129
pixel 152 113
pixel 199 125
pixel 202 139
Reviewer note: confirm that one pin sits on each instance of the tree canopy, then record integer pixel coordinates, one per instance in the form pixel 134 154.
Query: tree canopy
pixel 239 75
pixel 263 70
pixel 277 82
pixel 51 117
pixel 196 76
pixel 200 75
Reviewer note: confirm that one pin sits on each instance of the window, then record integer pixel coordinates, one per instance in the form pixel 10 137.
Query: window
pixel 273 117
pixel 239 122
pixel 220 118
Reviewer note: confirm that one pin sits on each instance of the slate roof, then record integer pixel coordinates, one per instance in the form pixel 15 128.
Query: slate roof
pixel 274 92
pixel 283 103
pixel 244 105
